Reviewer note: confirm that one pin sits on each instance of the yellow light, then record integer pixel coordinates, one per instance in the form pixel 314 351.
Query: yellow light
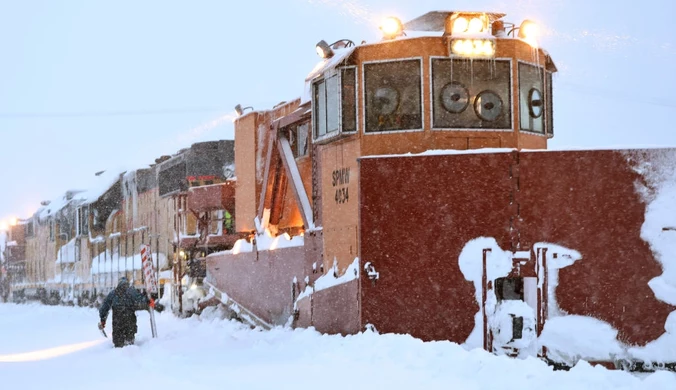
pixel 181 253
pixel 13 222
pixel 473 47
pixel 3 226
pixel 468 47
pixel 460 25
pixel 458 46
pixel 488 48
pixel 476 25
pixel 391 27
pixel 320 52
pixel 528 31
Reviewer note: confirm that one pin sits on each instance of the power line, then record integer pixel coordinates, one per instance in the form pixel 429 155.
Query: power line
pixel 84 114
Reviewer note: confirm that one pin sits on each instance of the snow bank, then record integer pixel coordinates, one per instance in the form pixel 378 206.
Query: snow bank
pixel 209 353
pixel 571 338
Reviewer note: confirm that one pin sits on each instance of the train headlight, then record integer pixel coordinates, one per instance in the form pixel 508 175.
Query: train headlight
pixel 473 47
pixel 476 25
pixel 472 23
pixel 528 31
pixel 460 25
pixel 392 27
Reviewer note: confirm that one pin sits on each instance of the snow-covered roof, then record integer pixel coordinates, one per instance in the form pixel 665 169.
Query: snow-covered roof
pixel 54 206
pixel 339 56
pixel 101 184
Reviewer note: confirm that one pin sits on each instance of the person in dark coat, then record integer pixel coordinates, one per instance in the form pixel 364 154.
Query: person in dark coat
pixel 125 301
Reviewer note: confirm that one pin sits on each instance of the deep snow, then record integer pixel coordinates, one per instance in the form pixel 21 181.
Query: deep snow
pixel 210 353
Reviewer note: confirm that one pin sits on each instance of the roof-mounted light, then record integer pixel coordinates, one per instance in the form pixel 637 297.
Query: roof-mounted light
pixel 473 47
pixel 324 50
pixel 528 31
pixel 392 27
pixel 240 110
pixel 467 23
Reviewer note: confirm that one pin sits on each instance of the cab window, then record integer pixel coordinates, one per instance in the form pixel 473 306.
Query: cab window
pixel 393 95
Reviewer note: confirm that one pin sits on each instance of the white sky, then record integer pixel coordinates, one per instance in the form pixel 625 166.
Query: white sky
pixel 89 85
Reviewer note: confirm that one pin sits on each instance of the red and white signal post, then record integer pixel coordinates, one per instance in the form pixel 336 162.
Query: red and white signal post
pixel 150 281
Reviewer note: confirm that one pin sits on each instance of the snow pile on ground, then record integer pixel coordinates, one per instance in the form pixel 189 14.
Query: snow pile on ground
pixel 211 353
pixel 593 339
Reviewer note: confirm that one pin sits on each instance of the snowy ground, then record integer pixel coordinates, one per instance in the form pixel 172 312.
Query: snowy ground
pixel 45 347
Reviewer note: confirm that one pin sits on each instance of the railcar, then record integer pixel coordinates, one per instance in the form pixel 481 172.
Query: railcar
pixel 410 190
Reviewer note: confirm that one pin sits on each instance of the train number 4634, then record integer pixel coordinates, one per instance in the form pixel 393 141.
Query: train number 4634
pixel 342 195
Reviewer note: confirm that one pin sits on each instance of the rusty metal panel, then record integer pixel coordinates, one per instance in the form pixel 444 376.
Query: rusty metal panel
pixel 314 253
pixel 303 312
pixel 213 197
pixel 416 215
pixel 262 281
pixel 587 201
pixel 336 309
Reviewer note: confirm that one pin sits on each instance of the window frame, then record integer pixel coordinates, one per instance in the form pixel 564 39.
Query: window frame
pixel 470 106
pixel 549 108
pixel 421 60
pixel 292 132
pixel 313 127
pixel 52 229
pixel 82 220
pixel 544 116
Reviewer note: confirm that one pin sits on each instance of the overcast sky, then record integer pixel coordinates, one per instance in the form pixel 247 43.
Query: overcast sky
pixel 88 85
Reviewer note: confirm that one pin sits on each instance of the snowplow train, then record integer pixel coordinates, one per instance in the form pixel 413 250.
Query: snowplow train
pixel 409 190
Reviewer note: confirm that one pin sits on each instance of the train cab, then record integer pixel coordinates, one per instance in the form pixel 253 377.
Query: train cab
pixel 444 80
